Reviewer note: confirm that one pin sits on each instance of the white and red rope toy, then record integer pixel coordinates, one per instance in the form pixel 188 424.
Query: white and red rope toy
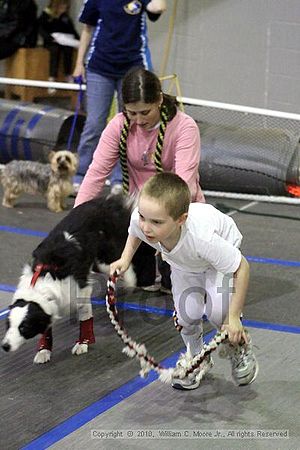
pixel 147 362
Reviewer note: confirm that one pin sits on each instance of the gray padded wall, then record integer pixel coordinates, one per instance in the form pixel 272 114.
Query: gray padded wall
pixel 234 51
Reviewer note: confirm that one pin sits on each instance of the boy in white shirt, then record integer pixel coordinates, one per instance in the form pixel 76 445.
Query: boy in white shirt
pixel 209 273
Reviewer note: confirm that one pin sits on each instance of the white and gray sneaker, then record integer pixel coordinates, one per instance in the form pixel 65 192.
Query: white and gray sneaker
pixel 192 381
pixel 244 366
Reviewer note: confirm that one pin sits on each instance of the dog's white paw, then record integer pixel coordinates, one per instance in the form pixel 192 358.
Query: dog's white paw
pixel 80 349
pixel 7 204
pixel 42 356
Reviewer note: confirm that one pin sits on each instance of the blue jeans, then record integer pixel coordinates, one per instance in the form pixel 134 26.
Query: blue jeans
pixel 99 95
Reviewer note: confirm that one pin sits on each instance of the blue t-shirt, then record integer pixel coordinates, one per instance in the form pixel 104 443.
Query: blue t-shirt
pixel 120 40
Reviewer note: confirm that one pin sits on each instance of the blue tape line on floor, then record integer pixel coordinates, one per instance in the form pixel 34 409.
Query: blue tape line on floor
pixel 136 307
pixel 168 312
pixel 280 262
pixel 22 231
pixel 125 306
pixel 272 326
pixel 7 288
pixel 3 313
pixel 254 259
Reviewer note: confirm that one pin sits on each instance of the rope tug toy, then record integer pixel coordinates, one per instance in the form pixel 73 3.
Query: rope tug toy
pixel 133 349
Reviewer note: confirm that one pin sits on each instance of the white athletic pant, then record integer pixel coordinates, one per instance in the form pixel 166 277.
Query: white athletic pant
pixel 196 295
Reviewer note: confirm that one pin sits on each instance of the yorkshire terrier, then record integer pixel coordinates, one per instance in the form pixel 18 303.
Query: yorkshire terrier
pixel 53 180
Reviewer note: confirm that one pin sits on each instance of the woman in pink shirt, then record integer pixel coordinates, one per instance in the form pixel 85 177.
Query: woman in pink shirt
pixel 151 135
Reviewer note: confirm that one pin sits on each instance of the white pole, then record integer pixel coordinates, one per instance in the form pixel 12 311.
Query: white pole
pixel 185 100
pixel 253 197
pixel 42 84
pixel 240 108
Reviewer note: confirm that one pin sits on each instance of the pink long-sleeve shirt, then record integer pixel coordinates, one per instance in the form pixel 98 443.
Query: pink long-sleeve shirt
pixel 181 154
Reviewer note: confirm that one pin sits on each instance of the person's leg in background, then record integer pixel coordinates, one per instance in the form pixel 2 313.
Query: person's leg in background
pixel 165 272
pixel 99 95
pixel 68 62
pixel 144 264
pixel 54 56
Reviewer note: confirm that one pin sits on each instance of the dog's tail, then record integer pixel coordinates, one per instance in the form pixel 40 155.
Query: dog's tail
pixel 130 201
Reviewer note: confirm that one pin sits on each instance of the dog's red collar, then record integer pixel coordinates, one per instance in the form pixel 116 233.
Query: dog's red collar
pixel 39 268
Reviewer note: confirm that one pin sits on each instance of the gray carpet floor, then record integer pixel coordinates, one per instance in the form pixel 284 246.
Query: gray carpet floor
pixel 52 404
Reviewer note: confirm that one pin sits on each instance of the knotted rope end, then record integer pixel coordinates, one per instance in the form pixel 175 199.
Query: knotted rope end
pixel 166 375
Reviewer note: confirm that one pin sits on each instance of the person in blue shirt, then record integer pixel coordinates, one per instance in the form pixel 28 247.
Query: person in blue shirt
pixel 113 40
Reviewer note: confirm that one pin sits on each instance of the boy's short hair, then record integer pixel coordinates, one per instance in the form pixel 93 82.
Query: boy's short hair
pixel 171 191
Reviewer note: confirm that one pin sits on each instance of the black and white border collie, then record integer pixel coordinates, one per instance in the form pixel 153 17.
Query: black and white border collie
pixel 92 234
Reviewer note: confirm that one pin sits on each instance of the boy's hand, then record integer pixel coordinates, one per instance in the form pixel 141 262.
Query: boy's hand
pixel 235 329
pixel 120 266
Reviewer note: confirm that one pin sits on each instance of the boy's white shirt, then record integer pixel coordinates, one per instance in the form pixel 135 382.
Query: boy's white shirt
pixel 209 239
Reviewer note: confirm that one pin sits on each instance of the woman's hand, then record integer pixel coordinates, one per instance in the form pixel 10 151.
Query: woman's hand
pixel 157 6
pixel 235 329
pixel 79 71
pixel 85 40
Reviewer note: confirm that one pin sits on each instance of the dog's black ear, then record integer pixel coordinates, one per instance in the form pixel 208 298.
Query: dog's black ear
pixel 36 321
pixel 19 302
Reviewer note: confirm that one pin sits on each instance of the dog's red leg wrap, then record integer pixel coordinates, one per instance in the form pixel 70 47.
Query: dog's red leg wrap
pixel 87 331
pixel 45 342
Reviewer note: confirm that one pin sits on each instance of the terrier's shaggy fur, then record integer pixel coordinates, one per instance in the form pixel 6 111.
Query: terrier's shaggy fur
pixel 53 180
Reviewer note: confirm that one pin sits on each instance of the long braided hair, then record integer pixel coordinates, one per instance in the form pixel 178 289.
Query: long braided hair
pixel 141 85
